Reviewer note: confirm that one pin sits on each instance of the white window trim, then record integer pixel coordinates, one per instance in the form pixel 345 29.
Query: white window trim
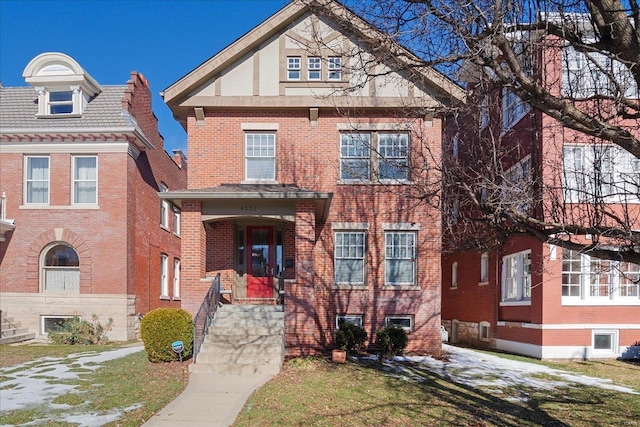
pixel 413 258
pixel 364 258
pixel 164 208
pixel 520 109
pixel 615 341
pixel 42 268
pixel 25 186
pixel 585 298
pixel 454 275
pixel 177 215
pixel 176 278
pixel 43 318
pixel 164 276
pixel 275 157
pixel 314 68
pixel 484 268
pixel 75 180
pixel 387 321
pixel 520 298
pixel 357 319
pixel 291 67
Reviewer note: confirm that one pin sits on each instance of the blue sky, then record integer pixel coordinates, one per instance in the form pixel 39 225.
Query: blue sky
pixel 162 39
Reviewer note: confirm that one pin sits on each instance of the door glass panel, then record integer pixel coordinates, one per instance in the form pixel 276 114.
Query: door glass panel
pixel 260 253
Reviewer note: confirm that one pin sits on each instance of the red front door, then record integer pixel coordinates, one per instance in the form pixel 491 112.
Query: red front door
pixel 260 262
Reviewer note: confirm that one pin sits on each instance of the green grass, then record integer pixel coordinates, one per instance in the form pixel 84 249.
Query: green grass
pixel 131 385
pixel 361 394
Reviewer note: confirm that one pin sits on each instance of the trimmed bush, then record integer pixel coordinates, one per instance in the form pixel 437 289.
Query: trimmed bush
pixel 350 337
pixel 77 331
pixel 162 327
pixel 391 341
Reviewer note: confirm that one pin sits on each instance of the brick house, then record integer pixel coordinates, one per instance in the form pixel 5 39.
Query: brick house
pixel 81 167
pixel 300 186
pixel 534 298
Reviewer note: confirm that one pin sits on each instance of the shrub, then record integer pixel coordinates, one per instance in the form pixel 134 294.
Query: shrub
pixel 77 331
pixel 160 328
pixel 350 337
pixel 391 341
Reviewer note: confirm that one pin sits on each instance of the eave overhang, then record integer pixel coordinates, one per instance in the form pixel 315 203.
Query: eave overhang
pixel 132 135
pixel 248 200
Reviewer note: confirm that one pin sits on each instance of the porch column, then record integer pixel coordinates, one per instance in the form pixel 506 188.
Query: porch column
pixel 301 324
pixel 193 257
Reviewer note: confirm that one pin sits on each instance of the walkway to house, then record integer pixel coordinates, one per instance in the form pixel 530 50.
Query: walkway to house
pixel 211 400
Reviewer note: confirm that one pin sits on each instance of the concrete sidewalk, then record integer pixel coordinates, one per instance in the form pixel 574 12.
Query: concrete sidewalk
pixel 211 400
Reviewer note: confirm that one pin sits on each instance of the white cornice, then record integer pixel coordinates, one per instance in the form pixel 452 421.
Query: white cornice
pixel 64 147
pixel 49 134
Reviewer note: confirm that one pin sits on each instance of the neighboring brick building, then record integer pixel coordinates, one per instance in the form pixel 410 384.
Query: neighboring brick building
pixel 81 167
pixel 538 299
pixel 296 190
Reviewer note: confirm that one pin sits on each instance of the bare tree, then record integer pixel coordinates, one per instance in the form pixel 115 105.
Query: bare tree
pixel 570 168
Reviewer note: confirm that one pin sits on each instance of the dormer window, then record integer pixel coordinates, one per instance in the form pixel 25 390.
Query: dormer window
pixel 60 102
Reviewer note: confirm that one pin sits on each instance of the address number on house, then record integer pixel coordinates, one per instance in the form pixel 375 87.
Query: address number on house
pixel 248 208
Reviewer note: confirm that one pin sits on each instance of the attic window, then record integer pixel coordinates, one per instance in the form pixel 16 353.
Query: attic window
pixel 60 102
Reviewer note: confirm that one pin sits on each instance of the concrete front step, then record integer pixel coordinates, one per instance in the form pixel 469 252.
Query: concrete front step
pixel 230 316
pixel 234 369
pixel 240 340
pixel 240 357
pixel 228 347
pixel 12 331
pixel 245 331
pixel 17 338
pixel 247 323
pixel 250 308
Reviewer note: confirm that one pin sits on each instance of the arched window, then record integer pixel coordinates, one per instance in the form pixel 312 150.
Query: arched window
pixel 60 269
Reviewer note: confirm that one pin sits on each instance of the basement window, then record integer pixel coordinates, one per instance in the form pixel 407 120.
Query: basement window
pixel 53 323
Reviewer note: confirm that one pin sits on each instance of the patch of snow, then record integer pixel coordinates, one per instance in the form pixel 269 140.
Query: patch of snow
pixel 476 369
pixel 37 383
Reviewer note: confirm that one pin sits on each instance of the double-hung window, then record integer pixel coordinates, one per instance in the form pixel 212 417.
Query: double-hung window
pixel 400 258
pixel 85 180
pixel 314 68
pixel 586 278
pixel 37 180
pixel 394 156
pixel 355 156
pixel 176 221
pixel 374 155
pixel 513 109
pixel 516 277
pixel 61 102
pixel 334 65
pixel 260 160
pixel 293 67
pixel 176 278
pixel 164 208
pixel 349 257
pixel 164 276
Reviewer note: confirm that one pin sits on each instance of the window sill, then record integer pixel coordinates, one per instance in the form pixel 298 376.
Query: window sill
pixel 483 283
pixel 65 207
pixel 514 303
pixel 453 288
pixel 373 182
pixel 58 116
pixel 347 286
pixel 165 228
pixel 177 299
pixel 632 301
pixel 400 288
pixel 259 181
pixel 165 297
pixel 177 235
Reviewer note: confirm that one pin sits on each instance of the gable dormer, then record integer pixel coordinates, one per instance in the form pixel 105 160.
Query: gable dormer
pixel 63 87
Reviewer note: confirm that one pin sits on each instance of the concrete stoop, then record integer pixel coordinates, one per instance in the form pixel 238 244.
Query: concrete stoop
pixel 12 331
pixel 243 339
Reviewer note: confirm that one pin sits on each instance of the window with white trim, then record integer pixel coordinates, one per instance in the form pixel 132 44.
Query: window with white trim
pixel 589 74
pixel 349 257
pixel 484 112
pixel 37 180
pixel 594 172
pixel 348 318
pixel 400 258
pixel 516 276
pixel 604 342
pixel 85 180
pixel 60 102
pixel 53 323
pixel 314 68
pixel 164 208
pixel 513 109
pixel 176 220
pixel 484 267
pixel 260 156
pixel 335 68
pixel 293 67
pixel 164 276
pixel 517 186
pixel 176 278
pixel 589 278
pixel 374 155
pixel 60 269
pixel 405 322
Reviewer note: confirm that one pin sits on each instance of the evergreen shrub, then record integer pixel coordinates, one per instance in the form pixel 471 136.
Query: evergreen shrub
pixel 162 327
pixel 391 341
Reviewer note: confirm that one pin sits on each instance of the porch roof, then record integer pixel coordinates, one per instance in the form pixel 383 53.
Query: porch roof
pixel 255 193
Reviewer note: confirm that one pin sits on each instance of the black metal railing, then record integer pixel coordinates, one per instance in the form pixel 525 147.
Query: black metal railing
pixel 205 315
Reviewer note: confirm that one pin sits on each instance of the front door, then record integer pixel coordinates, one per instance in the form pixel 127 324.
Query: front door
pixel 260 262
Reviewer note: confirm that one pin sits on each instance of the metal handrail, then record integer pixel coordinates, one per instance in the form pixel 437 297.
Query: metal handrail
pixel 205 314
